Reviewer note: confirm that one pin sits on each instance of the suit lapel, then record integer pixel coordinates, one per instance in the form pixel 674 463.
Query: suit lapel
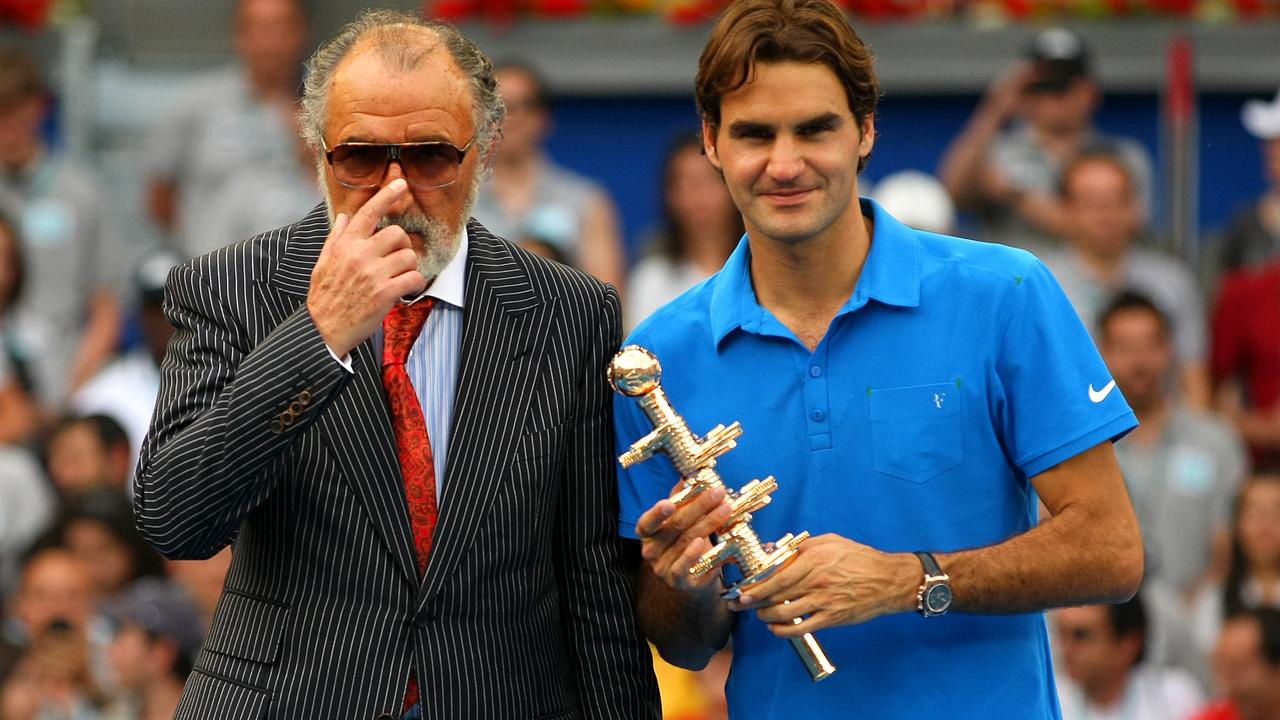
pixel 356 426
pixel 505 323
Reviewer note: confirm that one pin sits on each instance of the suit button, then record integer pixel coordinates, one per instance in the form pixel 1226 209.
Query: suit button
pixel 277 427
pixel 295 407
pixel 287 418
pixel 424 618
pixel 385 716
pixel 304 397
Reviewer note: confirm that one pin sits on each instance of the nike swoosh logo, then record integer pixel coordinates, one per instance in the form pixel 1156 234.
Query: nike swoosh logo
pixel 1100 395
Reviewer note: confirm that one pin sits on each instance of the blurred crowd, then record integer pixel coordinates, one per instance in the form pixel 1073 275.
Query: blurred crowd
pixel 94 624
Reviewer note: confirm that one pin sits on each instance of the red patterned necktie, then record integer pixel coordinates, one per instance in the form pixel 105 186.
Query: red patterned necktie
pixel 417 463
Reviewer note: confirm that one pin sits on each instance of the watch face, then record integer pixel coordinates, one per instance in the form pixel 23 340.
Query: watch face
pixel 938 599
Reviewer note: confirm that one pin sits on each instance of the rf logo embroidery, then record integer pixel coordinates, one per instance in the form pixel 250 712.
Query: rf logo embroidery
pixel 938 398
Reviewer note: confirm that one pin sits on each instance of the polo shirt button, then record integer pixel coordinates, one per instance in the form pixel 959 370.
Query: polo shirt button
pixel 815 371
pixel 817 415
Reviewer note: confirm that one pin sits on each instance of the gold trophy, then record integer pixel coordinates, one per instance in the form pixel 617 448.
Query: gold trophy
pixel 635 372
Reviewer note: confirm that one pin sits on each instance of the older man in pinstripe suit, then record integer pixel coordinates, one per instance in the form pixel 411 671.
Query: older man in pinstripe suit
pixel 448 555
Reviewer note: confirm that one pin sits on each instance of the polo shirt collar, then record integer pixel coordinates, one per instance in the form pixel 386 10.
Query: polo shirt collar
pixel 891 275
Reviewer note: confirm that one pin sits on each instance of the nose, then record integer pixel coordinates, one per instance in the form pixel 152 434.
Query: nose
pixel 785 160
pixel 405 201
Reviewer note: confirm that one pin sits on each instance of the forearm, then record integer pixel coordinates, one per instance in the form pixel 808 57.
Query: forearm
pixel 217 429
pixel 99 340
pixel 961 168
pixel 686 628
pixel 17 415
pixel 601 248
pixel 1069 559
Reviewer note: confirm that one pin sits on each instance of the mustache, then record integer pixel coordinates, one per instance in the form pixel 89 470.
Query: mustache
pixel 410 222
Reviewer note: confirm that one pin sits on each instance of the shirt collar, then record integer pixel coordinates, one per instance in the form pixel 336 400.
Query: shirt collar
pixel 891 275
pixel 450 285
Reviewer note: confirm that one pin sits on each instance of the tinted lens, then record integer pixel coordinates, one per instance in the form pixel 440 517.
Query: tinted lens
pixel 359 164
pixel 430 164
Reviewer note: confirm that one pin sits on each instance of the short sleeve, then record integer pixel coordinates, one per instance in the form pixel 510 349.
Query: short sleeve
pixel 1056 396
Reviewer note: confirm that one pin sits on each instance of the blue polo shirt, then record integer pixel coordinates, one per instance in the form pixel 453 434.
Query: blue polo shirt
pixel 956 371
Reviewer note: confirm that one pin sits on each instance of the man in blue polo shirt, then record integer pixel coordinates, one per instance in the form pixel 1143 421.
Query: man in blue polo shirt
pixel 913 393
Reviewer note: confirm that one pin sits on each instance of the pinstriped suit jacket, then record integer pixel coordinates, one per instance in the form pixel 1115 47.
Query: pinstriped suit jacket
pixel 261 440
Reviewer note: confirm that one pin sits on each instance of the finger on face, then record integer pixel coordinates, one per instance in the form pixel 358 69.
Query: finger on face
pixel 388 240
pixel 409 283
pixel 366 219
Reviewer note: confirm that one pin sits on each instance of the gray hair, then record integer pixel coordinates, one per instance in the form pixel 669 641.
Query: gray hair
pixel 395 36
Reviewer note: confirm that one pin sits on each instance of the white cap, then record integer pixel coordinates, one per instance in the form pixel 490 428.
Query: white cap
pixel 917 199
pixel 1262 119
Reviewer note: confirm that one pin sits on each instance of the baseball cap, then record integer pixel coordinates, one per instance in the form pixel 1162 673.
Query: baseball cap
pixel 162 609
pixel 1262 119
pixel 152 272
pixel 1060 57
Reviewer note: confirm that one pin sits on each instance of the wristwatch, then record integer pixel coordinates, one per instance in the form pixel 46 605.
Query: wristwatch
pixel 934 596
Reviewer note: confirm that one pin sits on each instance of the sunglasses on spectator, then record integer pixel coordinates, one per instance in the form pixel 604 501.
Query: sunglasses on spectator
pixel 431 164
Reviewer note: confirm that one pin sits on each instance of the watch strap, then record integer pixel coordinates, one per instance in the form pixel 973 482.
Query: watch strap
pixel 930 565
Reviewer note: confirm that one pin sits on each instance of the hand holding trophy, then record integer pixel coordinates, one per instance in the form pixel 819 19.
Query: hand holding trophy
pixel 635 372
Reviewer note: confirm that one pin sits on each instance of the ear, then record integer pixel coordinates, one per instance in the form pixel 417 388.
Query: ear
pixel 868 136
pixel 709 144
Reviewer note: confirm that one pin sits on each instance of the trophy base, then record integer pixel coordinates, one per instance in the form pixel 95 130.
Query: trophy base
pixel 782 555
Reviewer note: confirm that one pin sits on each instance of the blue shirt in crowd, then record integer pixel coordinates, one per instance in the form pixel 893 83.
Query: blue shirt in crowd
pixel 955 372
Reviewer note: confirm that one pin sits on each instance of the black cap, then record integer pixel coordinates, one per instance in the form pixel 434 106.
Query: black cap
pixel 152 272
pixel 1060 57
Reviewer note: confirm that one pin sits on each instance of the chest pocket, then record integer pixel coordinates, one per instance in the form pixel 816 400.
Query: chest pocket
pixel 915 431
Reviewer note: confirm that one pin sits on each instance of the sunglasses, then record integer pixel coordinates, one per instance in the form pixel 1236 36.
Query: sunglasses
pixel 360 165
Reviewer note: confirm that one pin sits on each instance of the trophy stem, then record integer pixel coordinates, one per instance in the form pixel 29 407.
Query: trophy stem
pixel 813 656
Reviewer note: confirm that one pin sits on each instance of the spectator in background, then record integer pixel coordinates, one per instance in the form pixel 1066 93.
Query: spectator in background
pixel 700 228
pixel 97 528
pixel 531 197
pixel 158 633
pixel 18 415
pixel 1183 467
pixel 918 199
pixel 1103 649
pixel 26 507
pixel 1253 576
pixel 1100 260
pixel 86 452
pixel 1009 176
pixel 1247 660
pixel 1246 357
pixel 235 126
pixel 65 323
pixel 54 591
pixel 127 388
pixel 1252 237
pixel 202 580
pixel 53 680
